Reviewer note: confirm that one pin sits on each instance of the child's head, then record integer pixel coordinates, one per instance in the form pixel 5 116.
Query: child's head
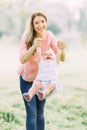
pixel 48 55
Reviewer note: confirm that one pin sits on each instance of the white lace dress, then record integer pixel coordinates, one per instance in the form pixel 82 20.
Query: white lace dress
pixel 48 72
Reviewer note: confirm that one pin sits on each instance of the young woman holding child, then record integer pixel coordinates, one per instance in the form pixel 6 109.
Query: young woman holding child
pixel 35 36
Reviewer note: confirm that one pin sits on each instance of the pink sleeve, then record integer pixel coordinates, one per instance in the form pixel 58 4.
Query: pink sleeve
pixel 23 48
pixel 54 43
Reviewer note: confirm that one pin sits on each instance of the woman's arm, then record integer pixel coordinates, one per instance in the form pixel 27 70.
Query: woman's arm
pixel 60 56
pixel 28 53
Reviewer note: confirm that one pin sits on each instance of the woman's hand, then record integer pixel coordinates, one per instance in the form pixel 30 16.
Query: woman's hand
pixel 61 45
pixel 37 42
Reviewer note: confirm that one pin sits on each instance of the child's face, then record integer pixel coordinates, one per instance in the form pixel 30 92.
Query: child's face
pixel 48 55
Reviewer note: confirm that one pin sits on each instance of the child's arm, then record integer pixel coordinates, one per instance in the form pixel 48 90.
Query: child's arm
pixel 39 54
pixel 58 56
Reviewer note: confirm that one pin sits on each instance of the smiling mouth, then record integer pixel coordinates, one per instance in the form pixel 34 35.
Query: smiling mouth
pixel 41 29
pixel 48 58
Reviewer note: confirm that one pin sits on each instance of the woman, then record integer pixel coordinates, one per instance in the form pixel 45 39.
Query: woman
pixel 35 36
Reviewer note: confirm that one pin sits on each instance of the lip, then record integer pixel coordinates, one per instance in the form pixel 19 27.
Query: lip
pixel 41 30
pixel 48 58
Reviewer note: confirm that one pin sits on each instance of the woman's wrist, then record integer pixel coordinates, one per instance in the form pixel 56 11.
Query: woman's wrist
pixel 29 53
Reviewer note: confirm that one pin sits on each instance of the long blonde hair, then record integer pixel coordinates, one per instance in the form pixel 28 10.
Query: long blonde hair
pixel 30 32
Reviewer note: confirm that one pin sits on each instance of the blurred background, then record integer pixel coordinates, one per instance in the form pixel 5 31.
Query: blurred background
pixel 67 19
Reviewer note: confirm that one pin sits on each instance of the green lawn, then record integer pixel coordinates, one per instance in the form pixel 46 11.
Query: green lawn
pixel 66 111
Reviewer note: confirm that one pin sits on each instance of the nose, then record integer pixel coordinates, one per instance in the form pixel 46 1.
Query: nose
pixel 40 24
pixel 48 54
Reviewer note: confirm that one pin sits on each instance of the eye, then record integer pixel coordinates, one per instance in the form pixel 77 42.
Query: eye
pixel 44 54
pixel 36 22
pixel 43 21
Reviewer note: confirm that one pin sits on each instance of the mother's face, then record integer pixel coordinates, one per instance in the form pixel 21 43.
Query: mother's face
pixel 39 24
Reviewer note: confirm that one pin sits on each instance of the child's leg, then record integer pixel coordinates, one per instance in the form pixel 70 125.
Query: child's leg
pixel 32 91
pixel 49 88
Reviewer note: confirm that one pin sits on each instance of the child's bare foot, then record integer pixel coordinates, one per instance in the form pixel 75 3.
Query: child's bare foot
pixel 27 96
pixel 41 95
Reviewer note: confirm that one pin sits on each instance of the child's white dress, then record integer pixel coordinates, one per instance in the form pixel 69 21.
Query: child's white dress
pixel 48 72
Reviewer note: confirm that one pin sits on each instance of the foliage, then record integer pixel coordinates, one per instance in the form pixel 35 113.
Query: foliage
pixel 54 28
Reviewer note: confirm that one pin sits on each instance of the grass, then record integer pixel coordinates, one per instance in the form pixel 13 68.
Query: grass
pixel 65 111
pixel 69 111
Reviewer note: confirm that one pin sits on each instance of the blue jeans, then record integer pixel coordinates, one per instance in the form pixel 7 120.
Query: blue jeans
pixel 34 109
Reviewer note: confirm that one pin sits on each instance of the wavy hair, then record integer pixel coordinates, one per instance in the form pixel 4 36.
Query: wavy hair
pixel 30 32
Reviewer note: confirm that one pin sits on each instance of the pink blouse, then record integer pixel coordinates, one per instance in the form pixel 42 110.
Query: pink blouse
pixel 28 70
